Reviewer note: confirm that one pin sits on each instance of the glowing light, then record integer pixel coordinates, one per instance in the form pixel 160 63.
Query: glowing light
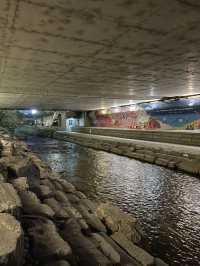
pixel 103 112
pixel 34 111
pixel 191 103
pixel 132 108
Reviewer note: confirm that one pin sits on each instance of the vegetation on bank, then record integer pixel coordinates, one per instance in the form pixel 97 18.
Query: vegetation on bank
pixel 10 119
pixel 34 131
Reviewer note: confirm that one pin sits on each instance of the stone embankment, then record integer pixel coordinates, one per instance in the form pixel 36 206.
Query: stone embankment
pixel 173 156
pixel 45 221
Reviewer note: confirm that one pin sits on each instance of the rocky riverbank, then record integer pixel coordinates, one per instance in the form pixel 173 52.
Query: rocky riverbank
pixel 44 220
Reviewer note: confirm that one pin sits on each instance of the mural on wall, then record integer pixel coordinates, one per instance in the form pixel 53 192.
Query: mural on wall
pixel 171 114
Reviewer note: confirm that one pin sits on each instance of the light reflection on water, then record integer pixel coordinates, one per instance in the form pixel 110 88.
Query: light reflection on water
pixel 167 203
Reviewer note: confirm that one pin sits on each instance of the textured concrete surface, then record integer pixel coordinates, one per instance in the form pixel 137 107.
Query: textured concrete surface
pixel 93 54
pixel 184 137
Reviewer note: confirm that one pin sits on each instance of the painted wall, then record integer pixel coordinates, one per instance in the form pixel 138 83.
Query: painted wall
pixel 171 114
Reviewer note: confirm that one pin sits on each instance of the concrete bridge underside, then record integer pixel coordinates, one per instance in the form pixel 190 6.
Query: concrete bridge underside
pixel 80 55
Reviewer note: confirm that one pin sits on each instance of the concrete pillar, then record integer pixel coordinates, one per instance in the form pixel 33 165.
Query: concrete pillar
pixel 63 120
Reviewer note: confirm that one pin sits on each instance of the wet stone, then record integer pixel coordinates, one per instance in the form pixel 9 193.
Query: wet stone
pixel 9 199
pixel 48 183
pixel 73 198
pixel 92 220
pixel 47 243
pixel 20 183
pixel 57 185
pixel 32 205
pixel 106 248
pixel 118 221
pixel 11 241
pixel 61 196
pixel 86 253
pixel 60 211
pixel 140 255
pixel 43 191
pixel 67 187
pixel 80 194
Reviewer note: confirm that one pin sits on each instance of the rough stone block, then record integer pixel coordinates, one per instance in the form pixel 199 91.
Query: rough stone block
pixel 118 221
pixel 11 241
pixel 73 198
pixel 22 167
pixel 61 196
pixel 106 248
pixel 60 211
pixel 189 166
pixel 86 253
pixel 149 158
pixel 47 243
pixel 92 220
pixel 20 183
pixel 140 255
pixel 67 187
pixel 32 205
pixel 9 199
pixel 80 194
pixel 43 191
pixel 162 162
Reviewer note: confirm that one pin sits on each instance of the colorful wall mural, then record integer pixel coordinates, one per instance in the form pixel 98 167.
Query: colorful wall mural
pixel 170 114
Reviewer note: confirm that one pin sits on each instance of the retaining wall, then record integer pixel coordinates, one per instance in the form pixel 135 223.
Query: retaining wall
pixel 168 136
pixel 184 158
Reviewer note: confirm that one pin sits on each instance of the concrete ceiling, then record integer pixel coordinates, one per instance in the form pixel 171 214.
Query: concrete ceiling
pixel 87 54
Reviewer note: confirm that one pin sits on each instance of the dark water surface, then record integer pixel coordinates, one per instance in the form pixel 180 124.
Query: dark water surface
pixel 166 202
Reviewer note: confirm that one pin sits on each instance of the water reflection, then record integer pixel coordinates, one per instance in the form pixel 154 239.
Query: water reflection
pixel 166 202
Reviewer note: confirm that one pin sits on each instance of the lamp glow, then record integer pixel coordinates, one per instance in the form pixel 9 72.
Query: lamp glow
pixel 34 111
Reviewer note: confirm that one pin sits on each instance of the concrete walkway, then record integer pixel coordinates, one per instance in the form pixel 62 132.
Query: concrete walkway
pixel 182 137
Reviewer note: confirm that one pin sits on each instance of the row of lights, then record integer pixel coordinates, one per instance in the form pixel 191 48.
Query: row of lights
pixel 118 109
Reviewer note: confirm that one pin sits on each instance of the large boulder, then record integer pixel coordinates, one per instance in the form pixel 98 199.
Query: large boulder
pixel 7 147
pixel 92 220
pixel 47 243
pixel 42 168
pixel 86 252
pixel 106 248
pixel 140 255
pixel 9 199
pixel 33 206
pixel 18 167
pixel 62 197
pixel 20 183
pixel 60 212
pixel 11 241
pixel 43 191
pixel 67 187
pixel 118 221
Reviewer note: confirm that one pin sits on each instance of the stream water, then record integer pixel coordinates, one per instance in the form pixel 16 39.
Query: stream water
pixel 166 202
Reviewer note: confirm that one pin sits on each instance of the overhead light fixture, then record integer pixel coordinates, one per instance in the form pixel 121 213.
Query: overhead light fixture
pixel 132 108
pixel 34 111
pixel 103 112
